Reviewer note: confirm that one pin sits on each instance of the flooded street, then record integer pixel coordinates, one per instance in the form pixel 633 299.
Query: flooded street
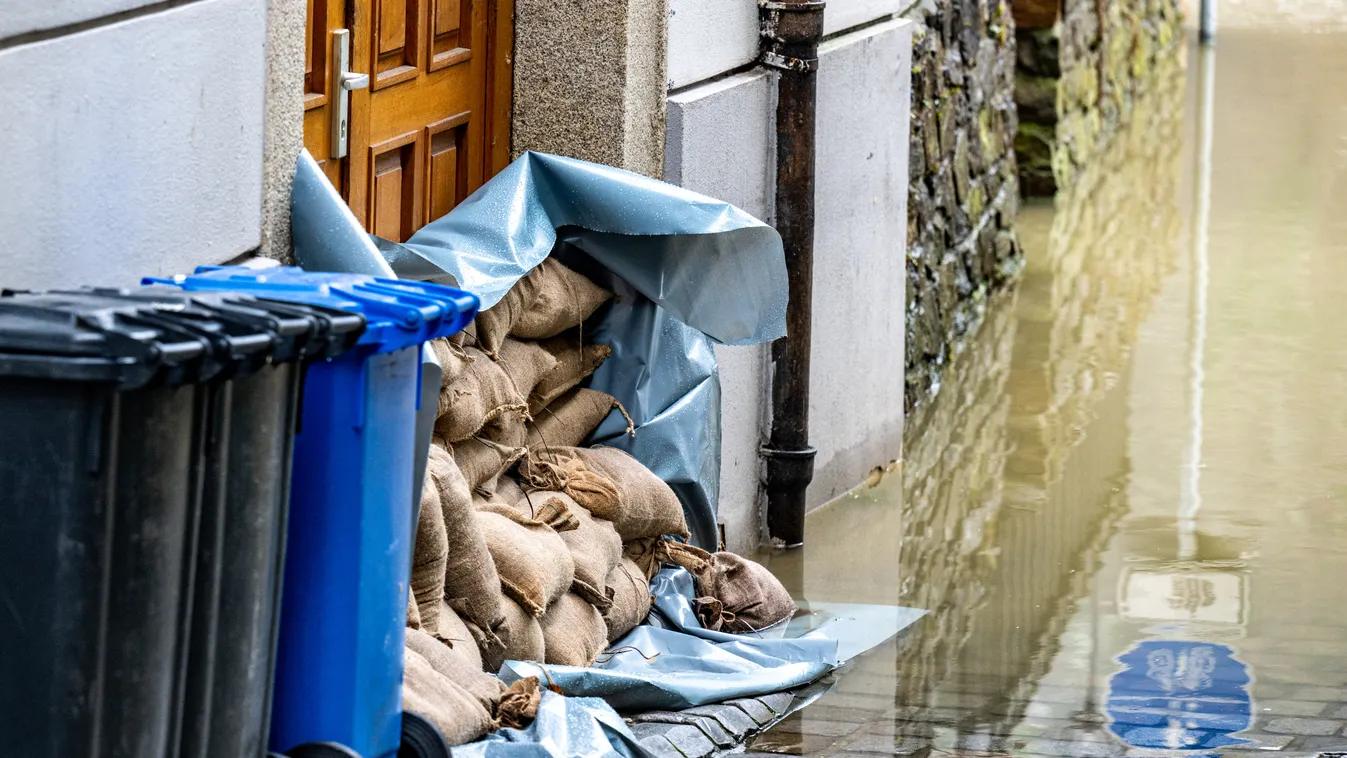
pixel 1126 511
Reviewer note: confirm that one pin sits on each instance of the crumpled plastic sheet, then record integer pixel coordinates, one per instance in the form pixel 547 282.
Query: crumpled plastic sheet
pixel 566 727
pixel 678 664
pixel 689 271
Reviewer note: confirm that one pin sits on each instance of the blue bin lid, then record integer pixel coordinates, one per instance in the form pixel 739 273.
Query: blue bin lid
pixel 399 313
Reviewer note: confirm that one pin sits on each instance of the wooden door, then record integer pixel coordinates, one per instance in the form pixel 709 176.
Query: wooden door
pixel 433 122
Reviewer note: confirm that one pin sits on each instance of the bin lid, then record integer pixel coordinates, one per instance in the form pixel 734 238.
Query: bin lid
pixel 299 331
pixel 74 338
pixel 398 313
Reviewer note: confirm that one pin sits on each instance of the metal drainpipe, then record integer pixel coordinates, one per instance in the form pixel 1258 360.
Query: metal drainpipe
pixel 791 30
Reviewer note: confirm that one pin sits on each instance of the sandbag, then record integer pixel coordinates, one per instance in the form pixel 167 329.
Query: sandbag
pixel 482 462
pixel 570 419
pixel 639 504
pixel 471 583
pixel 522 635
pixel 573 632
pixel 454 360
pixel 444 685
pixel 646 554
pixel 413 614
pixel 459 668
pixel 457 714
pixel 561 470
pixel 534 565
pixel 734 594
pixel 430 555
pixel 453 631
pixel 753 598
pixel 489 388
pixel 575 362
pixel 596 549
pixel 555 509
pixel 519 705
pixel 549 300
pixel 630 599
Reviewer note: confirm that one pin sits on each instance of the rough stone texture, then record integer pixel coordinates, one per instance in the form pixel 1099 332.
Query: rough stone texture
pixel 283 135
pixel 133 147
pixel 983 487
pixel 962 191
pixel 590 81
pixel 1078 78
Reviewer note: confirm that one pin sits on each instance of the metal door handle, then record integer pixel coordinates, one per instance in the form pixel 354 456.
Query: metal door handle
pixel 346 81
pixel 351 81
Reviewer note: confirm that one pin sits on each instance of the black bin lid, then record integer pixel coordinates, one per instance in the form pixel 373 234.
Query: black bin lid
pixel 136 337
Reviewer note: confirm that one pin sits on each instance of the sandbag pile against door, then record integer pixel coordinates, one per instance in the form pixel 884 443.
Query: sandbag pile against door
pixel 544 547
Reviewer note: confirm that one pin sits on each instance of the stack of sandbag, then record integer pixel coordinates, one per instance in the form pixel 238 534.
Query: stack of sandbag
pixel 530 547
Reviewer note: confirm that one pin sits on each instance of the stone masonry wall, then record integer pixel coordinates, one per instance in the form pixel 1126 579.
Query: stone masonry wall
pixel 1081 66
pixel 962 196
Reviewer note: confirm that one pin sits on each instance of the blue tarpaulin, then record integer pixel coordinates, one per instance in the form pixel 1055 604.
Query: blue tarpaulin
pixel 689 271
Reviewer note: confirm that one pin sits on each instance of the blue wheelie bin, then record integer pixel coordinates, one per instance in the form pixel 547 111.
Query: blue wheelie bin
pixel 348 548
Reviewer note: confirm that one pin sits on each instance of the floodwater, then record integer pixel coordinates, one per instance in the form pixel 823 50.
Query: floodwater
pixel 1126 511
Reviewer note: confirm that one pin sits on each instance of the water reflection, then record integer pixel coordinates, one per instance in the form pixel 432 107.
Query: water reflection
pixel 1100 585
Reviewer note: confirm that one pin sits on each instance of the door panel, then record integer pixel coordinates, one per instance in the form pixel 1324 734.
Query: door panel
pixel 396 180
pixel 419 134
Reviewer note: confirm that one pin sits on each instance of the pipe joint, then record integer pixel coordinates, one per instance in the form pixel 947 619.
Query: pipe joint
pixel 791 32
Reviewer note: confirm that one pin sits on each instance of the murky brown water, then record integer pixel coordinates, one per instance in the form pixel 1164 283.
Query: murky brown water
pixel 1127 509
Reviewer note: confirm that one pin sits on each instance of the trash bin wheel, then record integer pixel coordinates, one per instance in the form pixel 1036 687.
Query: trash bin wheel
pixel 421 739
pixel 321 750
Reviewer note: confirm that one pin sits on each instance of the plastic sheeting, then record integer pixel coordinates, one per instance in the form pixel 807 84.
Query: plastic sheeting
pixel 684 665
pixel 565 727
pixel 690 271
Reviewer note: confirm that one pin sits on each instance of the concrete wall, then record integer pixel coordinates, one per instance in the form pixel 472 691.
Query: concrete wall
pixel 711 37
pixel 721 142
pixel 134 137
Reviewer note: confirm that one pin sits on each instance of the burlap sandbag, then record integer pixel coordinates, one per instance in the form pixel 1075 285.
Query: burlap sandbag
pixel 413 614
pixel 571 419
pixel 482 462
pixel 466 337
pixel 549 300
pixel 573 632
pixel 430 555
pixel 454 632
pixel 450 676
pixel 596 549
pixel 612 485
pixel 631 599
pixel 454 360
pixel 471 583
pixel 646 554
pixel 489 388
pixel 519 705
pixel 534 564
pixel 457 714
pixel 460 668
pixel 565 472
pixel 734 594
pixel 522 635
pixel 552 508
pixel 575 362
pixel 752 597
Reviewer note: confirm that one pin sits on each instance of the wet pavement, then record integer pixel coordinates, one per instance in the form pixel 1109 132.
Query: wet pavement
pixel 1127 508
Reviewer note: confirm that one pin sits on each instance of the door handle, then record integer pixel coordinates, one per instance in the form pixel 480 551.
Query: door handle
pixel 346 81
